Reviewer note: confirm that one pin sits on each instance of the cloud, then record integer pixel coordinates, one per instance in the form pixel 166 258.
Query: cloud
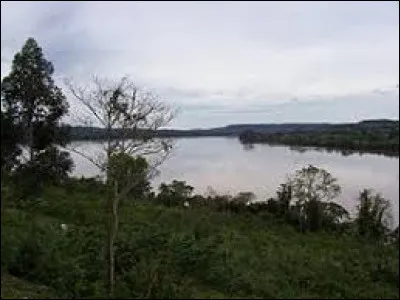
pixel 220 55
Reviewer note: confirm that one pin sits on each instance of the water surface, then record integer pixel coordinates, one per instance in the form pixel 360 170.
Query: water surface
pixel 226 166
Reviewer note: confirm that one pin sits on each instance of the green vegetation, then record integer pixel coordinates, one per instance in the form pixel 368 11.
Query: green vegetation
pixel 32 107
pixel 367 136
pixel 64 237
pixel 14 288
pixel 179 251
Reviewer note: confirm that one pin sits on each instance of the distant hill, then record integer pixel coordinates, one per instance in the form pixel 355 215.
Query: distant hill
pixel 93 133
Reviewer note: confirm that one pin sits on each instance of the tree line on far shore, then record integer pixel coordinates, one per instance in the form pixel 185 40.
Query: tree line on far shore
pixel 375 136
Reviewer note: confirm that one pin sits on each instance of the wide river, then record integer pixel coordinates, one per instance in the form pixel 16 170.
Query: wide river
pixel 224 165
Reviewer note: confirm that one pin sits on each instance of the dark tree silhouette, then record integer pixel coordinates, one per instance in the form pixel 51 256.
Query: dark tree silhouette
pixel 9 143
pixel 35 105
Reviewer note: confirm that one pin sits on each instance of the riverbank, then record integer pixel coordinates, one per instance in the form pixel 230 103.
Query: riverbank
pixel 224 165
pixel 177 252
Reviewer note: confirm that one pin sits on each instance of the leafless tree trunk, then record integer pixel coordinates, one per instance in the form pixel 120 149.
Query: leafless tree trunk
pixel 112 236
pixel 29 130
pixel 137 114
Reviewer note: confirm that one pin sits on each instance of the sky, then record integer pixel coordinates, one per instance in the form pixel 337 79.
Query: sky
pixel 223 63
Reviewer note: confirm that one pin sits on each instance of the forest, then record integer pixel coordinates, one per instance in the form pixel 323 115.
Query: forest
pixel 371 136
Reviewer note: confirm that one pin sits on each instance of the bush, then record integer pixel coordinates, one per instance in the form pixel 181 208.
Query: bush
pixel 174 194
pixel 93 185
pixel 69 260
pixel 49 167
pixel 130 173
pixel 198 252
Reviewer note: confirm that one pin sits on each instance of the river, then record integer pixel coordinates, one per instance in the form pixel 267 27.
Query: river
pixel 227 167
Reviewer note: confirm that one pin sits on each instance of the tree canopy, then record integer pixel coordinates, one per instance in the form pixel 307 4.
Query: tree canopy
pixel 34 105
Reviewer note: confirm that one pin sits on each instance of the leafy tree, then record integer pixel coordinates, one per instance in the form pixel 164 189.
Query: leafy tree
pixel 35 105
pixel 373 217
pixel 312 186
pixel 175 193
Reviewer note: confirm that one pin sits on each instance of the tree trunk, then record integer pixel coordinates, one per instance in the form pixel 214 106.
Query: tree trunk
pixel 112 235
pixel 30 139
pixel 30 130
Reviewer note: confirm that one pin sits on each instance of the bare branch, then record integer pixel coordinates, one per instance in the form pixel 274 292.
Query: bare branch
pixel 130 115
pixel 80 95
pixel 88 157
pixel 131 118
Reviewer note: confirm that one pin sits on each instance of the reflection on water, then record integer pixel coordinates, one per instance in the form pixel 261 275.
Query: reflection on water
pixel 226 166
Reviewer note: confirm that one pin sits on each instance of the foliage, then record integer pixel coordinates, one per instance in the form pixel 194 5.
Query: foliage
pixel 31 97
pixel 48 167
pixel 312 187
pixel 14 288
pixel 173 252
pixel 86 184
pixel 373 217
pixel 174 194
pixel 303 201
pixel 282 205
pixel 367 136
pixel 178 193
pixel 394 236
pixel 9 143
pixel 34 105
pixel 126 169
pixel 219 245
pixel 333 215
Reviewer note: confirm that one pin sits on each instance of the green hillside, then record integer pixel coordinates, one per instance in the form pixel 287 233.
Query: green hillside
pixel 182 252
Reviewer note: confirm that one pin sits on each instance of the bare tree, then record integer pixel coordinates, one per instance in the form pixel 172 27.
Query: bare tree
pixel 130 117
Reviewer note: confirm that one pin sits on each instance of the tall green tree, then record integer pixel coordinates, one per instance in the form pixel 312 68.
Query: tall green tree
pixel 373 216
pixel 35 105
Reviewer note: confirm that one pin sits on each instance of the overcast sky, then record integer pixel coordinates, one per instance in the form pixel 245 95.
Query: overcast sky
pixel 226 62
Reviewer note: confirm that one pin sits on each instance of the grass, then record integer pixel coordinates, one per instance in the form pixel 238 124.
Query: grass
pixel 15 288
pixel 176 253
